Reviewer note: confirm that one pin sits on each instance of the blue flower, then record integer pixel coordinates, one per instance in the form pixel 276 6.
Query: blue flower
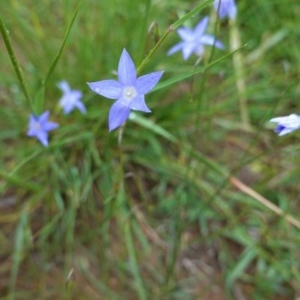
pixel 193 40
pixel 128 92
pixel 286 124
pixel 70 98
pixel 225 8
pixel 39 127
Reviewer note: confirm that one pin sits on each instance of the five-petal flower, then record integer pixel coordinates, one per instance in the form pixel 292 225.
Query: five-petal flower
pixel 286 124
pixel 193 40
pixel 39 127
pixel 128 91
pixel 70 98
pixel 225 8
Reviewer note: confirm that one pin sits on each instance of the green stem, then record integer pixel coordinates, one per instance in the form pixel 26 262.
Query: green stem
pixel 152 51
pixel 134 261
pixel 19 252
pixel 18 70
pixel 127 225
pixel 175 249
pixel 238 64
pixel 57 57
pixel 171 28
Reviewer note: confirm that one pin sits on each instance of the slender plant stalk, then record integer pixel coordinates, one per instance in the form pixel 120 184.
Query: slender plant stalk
pixel 175 249
pixel 170 29
pixel 18 252
pixel 134 261
pixel 235 43
pixel 127 224
pixel 57 57
pixel 13 58
pixel 152 51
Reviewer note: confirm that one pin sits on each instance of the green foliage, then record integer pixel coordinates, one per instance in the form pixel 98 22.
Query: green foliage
pixel 177 204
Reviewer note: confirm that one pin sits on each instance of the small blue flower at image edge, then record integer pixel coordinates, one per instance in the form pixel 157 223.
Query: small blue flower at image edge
pixel 193 40
pixel 70 99
pixel 39 126
pixel 286 124
pixel 225 8
pixel 128 91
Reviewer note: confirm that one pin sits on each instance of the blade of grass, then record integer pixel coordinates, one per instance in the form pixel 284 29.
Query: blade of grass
pixel 134 266
pixel 243 262
pixel 179 78
pixel 18 252
pixel 16 65
pixel 40 97
pixel 56 59
pixel 128 235
pixel 19 181
pixel 238 64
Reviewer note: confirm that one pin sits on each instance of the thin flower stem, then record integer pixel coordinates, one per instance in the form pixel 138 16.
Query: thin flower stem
pixel 133 260
pixel 235 43
pixel 60 51
pixel 152 51
pixel 18 253
pixel 171 28
pixel 127 224
pixel 18 70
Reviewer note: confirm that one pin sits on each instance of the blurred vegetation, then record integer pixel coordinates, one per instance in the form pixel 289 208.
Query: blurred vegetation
pixel 184 203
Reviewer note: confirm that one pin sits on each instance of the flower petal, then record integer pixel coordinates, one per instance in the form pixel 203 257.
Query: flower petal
pixel 291 120
pixel 126 69
pixel 31 131
pixel 42 136
pixel 43 118
pixel 201 27
pixel 283 131
pixel 199 50
pixel 225 8
pixel 286 124
pixel 139 104
pixel 64 86
pixel 50 126
pixel 80 106
pixel 208 39
pixel 176 48
pixel 146 83
pixel 111 89
pixel 118 114
pixel 185 33
pixel 232 11
pixel 188 49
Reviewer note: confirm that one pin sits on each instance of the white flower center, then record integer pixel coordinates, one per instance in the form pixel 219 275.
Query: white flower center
pixel 129 93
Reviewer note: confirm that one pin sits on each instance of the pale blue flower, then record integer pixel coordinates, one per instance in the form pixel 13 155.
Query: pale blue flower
pixel 286 124
pixel 129 91
pixel 39 127
pixel 70 98
pixel 194 40
pixel 226 8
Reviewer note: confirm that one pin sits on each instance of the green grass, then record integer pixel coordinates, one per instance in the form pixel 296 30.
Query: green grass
pixel 188 202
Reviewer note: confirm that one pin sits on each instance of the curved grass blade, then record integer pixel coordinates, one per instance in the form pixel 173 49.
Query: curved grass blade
pixel 13 58
pixel 40 94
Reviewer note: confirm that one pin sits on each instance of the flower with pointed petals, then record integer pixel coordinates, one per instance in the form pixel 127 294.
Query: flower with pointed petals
pixel 70 98
pixel 286 124
pixel 128 91
pixel 39 127
pixel 225 8
pixel 193 40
